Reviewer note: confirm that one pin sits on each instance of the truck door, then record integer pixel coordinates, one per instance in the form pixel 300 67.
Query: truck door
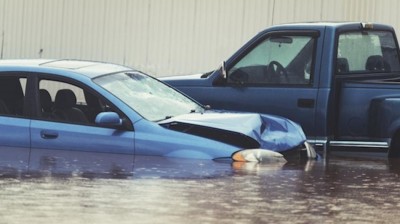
pixel 275 75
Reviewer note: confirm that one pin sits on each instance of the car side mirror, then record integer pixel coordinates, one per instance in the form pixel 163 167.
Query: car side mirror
pixel 108 119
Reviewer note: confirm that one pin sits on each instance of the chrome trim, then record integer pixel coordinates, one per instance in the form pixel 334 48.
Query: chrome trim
pixel 318 142
pixel 359 144
pixel 362 144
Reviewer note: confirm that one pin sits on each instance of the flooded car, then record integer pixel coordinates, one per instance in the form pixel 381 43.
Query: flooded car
pixel 72 115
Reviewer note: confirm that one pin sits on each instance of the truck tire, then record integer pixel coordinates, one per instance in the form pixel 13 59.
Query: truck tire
pixel 394 148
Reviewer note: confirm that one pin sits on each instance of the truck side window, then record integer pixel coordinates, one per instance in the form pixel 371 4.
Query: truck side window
pixel 279 59
pixel 367 52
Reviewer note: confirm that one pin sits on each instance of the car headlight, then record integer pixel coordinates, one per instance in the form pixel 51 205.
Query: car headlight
pixel 258 155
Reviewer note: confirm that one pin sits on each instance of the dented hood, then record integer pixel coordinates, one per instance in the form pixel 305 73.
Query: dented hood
pixel 270 132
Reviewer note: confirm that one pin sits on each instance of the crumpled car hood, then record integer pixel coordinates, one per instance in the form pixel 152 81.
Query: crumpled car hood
pixel 258 130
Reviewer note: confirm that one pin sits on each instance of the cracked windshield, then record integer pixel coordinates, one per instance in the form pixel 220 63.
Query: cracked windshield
pixel 152 99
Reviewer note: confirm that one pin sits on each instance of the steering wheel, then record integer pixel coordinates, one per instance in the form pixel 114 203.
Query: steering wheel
pixel 276 71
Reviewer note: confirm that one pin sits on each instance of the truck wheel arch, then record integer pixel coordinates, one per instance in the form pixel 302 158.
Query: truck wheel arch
pixel 394 147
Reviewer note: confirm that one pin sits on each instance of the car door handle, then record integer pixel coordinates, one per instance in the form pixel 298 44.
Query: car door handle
pixel 46 134
pixel 306 103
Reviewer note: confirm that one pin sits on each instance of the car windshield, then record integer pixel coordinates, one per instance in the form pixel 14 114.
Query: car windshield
pixel 148 96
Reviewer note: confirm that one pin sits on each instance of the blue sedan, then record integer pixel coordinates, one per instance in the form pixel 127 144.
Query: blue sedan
pixel 74 113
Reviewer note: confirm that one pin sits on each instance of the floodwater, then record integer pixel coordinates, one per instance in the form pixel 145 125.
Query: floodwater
pixel 341 188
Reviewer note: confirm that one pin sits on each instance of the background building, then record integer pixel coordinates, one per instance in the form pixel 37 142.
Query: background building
pixel 162 37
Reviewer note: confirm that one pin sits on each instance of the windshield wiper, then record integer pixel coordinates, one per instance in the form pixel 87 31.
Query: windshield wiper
pixel 200 109
pixel 165 118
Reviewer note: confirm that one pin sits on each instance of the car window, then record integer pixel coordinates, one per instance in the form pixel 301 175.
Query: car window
pixel 65 102
pixel 12 95
pixel 148 96
pixel 367 52
pixel 279 59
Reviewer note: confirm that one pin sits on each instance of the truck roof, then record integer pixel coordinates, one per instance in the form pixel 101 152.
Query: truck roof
pixel 329 25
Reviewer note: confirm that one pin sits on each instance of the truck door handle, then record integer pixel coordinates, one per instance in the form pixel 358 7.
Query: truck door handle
pixel 46 134
pixel 306 103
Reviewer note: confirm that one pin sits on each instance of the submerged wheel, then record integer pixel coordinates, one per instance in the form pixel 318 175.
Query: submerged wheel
pixel 394 148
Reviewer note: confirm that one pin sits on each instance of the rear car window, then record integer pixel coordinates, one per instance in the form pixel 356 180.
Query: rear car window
pixel 367 52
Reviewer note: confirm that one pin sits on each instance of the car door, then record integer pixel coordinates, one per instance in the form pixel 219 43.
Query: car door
pixel 14 124
pixel 274 75
pixel 68 140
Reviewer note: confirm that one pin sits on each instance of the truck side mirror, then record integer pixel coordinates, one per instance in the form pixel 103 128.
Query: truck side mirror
pixel 223 70
pixel 220 80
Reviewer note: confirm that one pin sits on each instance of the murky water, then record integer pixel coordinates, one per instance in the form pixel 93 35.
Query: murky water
pixel 343 188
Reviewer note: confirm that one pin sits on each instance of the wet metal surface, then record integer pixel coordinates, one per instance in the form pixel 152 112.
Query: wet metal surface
pixel 343 188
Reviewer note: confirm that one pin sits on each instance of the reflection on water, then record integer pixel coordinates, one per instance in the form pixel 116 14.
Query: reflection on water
pixel 339 189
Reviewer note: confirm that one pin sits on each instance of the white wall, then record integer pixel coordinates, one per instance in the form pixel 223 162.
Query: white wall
pixel 162 37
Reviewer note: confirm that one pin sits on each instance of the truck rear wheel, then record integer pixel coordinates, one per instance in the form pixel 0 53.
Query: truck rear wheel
pixel 394 148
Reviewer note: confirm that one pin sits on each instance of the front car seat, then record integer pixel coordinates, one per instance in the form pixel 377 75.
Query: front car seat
pixel 46 103
pixel 65 107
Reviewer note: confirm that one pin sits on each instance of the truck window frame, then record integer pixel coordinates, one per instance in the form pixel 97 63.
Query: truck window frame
pixel 342 62
pixel 313 34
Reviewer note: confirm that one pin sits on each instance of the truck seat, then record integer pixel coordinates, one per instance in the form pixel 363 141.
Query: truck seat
pixel 342 65
pixel 377 63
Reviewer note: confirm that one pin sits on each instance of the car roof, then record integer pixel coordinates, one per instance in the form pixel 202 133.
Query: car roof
pixel 90 69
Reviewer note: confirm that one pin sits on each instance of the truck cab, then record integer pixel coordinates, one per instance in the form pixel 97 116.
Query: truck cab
pixel 339 81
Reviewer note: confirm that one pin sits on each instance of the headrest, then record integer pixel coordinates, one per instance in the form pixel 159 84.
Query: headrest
pixel 65 98
pixel 45 100
pixel 376 63
pixel 342 65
